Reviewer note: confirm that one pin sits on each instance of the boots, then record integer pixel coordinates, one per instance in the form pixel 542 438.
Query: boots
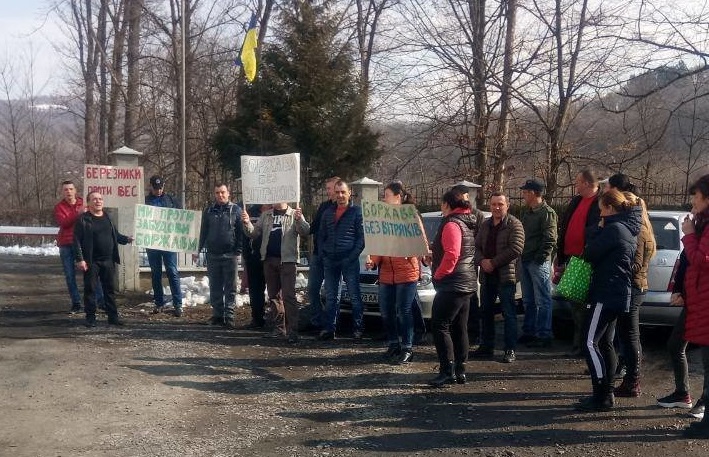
pixel 460 373
pixel 445 375
pixel 628 388
pixel 601 400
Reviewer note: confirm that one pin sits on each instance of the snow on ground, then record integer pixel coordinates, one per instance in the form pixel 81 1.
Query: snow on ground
pixel 45 250
pixel 194 291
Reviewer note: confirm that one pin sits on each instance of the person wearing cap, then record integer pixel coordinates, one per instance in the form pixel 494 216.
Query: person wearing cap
pixel 156 257
pixel 539 221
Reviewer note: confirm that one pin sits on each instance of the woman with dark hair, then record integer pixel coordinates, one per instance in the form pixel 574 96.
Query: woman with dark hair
pixel 397 289
pixel 610 249
pixel 629 322
pixel 453 252
pixel 696 287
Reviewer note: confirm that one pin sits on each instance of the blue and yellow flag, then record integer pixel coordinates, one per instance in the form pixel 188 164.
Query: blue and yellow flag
pixel 247 55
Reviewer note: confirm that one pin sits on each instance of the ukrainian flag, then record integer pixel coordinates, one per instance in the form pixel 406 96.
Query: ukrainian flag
pixel 247 56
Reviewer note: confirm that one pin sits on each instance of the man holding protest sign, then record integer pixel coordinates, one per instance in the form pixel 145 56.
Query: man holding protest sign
pixel 280 229
pixel 96 242
pixel 341 241
pixel 156 257
pixel 221 236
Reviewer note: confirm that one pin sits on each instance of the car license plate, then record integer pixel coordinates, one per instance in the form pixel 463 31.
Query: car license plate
pixel 366 297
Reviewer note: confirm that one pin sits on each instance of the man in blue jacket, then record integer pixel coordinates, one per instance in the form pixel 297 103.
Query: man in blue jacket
pixel 157 257
pixel 340 242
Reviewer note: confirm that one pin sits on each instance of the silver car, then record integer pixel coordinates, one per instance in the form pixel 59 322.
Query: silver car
pixel 656 309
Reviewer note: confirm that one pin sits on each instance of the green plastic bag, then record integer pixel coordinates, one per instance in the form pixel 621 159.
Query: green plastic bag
pixel 575 281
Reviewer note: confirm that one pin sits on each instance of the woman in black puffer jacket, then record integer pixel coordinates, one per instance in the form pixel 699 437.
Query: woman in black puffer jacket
pixel 610 249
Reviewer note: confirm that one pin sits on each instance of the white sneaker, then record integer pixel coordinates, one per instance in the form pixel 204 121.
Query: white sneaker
pixel 698 411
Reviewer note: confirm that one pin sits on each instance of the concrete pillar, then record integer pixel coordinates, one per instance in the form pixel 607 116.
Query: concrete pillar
pixel 124 218
pixel 365 189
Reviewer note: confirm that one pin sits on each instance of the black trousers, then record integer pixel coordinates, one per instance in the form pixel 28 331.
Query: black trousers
pixel 257 286
pixel 629 336
pixel 449 322
pixel 474 317
pixel 599 331
pixel 103 272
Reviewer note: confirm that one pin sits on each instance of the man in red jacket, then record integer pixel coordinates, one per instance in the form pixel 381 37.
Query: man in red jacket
pixel 65 213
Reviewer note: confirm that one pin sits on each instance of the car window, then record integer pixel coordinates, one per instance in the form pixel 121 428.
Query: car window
pixel 666 233
pixel 430 224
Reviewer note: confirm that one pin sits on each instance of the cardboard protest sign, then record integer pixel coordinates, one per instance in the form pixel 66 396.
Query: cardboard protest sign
pixel 393 230
pixel 120 186
pixel 270 179
pixel 167 229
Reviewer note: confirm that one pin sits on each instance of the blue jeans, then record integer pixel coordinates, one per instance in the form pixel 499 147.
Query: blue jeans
pixel 156 259
pixel 221 271
pixel 396 302
pixel 536 297
pixel 316 276
pixel 66 254
pixel 491 288
pixel 335 269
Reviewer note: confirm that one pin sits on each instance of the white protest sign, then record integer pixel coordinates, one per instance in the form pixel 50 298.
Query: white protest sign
pixel 270 179
pixel 393 230
pixel 167 229
pixel 120 186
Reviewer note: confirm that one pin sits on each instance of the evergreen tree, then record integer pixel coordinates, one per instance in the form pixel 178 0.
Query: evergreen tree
pixel 305 99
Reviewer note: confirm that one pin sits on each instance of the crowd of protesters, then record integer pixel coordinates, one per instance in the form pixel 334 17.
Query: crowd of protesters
pixel 609 228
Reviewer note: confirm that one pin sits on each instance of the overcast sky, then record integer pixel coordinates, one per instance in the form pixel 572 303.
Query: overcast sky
pixel 26 30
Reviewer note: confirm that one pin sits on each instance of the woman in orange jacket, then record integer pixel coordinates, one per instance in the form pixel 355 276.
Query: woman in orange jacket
pixel 397 289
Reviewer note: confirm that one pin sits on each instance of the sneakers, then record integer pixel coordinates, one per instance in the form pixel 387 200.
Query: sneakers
pixel 90 321
pixel 406 357
pixel 215 320
pixel 697 411
pixel 177 312
pixel 75 309
pixel 326 336
pixel 115 321
pixel 675 400
pixel 509 356
pixel 158 309
pixel 628 389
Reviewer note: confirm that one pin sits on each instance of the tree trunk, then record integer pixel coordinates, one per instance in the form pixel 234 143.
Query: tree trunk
pixel 132 111
pixel 503 125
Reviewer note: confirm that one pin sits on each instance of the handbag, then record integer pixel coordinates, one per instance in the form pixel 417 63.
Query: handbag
pixel 575 281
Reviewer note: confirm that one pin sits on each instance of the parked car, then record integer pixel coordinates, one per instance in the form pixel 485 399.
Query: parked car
pixel 656 309
pixel 369 280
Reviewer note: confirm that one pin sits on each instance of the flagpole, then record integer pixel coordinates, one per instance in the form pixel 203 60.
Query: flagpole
pixel 183 109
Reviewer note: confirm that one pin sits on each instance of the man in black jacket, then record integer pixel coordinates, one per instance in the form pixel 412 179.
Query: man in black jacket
pixel 96 243
pixel 221 235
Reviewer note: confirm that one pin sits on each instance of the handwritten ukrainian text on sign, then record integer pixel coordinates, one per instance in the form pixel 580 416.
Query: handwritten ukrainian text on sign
pixel 392 230
pixel 120 186
pixel 271 179
pixel 167 229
